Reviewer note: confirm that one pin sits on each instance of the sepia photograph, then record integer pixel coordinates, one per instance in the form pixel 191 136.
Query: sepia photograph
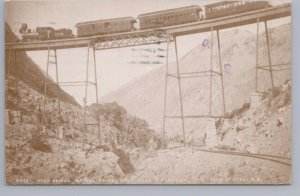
pixel 148 92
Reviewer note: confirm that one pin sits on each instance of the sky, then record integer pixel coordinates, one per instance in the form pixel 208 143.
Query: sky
pixel 115 67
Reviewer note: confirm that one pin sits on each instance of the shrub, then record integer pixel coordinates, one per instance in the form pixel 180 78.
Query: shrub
pixel 238 111
pixel 275 92
pixel 218 123
pixel 38 142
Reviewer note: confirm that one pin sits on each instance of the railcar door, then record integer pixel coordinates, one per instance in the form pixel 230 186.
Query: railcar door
pixel 107 26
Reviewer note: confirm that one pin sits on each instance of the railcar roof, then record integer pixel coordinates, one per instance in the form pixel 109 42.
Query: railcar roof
pixel 45 27
pixel 170 10
pixel 105 20
pixel 219 3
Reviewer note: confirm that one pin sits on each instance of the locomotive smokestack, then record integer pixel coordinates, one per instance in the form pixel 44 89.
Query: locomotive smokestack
pixel 23 28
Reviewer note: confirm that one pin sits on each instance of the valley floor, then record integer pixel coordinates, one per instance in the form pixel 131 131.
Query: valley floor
pixel 193 166
pixel 68 164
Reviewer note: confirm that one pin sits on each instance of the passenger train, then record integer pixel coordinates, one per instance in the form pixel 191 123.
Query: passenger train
pixel 146 21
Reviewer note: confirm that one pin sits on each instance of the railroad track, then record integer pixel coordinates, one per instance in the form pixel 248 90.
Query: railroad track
pixel 282 160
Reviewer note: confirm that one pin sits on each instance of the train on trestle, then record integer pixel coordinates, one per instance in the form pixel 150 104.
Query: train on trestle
pixel 153 20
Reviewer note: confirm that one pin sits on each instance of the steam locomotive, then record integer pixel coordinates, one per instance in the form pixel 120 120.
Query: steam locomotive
pixel 151 20
pixel 44 33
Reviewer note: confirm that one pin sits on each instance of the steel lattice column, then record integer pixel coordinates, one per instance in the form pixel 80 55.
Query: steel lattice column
pixel 270 67
pixel 51 60
pixel 221 72
pixel 180 92
pixel 165 97
pixel 86 83
pixel 182 75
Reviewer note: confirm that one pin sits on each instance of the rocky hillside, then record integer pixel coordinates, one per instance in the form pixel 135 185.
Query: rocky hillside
pixel 27 71
pixel 127 130
pixel 144 96
pixel 34 153
pixel 260 130
pixel 53 153
pixel 264 130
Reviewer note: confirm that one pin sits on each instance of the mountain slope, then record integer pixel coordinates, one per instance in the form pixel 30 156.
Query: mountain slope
pixel 144 96
pixel 24 69
pixel 34 153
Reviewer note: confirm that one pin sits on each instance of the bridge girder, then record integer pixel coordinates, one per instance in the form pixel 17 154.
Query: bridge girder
pixel 128 40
